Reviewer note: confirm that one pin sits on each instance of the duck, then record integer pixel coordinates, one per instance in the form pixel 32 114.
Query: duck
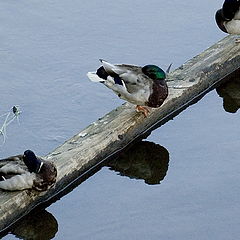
pixel 142 86
pixel 27 171
pixel 228 17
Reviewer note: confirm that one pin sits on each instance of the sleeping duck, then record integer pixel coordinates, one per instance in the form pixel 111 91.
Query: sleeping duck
pixel 27 172
pixel 228 17
pixel 142 86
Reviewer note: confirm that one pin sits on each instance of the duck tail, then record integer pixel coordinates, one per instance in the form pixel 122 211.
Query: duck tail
pixel 110 68
pixel 94 77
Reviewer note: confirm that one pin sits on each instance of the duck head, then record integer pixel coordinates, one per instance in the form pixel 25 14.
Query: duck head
pixel 154 72
pixel 32 162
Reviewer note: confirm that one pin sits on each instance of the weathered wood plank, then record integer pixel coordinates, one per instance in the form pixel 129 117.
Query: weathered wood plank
pixel 121 126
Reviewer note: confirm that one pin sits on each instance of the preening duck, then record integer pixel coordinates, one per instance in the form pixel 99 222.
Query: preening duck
pixel 142 86
pixel 228 17
pixel 27 171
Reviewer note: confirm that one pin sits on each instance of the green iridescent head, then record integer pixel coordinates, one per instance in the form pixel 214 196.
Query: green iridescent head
pixel 154 72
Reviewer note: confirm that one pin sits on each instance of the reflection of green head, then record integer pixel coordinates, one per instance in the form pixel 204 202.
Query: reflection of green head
pixel 154 72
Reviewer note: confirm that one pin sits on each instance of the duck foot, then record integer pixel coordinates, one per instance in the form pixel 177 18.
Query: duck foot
pixel 237 40
pixel 143 110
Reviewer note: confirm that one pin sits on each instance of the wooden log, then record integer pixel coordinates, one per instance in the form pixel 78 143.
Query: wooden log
pixel 120 127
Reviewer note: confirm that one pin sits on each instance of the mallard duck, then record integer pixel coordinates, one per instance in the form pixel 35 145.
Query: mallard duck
pixel 27 172
pixel 142 86
pixel 228 17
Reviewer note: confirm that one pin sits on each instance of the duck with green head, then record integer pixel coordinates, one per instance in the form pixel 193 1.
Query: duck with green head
pixel 142 86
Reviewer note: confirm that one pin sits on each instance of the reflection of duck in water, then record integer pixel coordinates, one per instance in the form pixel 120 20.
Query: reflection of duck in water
pixel 37 225
pixel 230 92
pixel 25 172
pixel 144 160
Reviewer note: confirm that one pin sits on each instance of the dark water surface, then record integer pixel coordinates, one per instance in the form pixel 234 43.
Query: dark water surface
pixel 47 47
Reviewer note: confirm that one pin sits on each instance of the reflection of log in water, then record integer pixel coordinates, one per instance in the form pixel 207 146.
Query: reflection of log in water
pixel 36 226
pixel 145 160
pixel 230 92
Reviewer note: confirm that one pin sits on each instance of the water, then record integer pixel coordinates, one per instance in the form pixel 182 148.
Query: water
pixel 47 48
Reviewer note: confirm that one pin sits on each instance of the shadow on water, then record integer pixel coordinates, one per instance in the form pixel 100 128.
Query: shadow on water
pixel 145 160
pixel 230 92
pixel 38 225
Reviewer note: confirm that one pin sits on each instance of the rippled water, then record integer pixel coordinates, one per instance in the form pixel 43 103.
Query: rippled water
pixel 47 48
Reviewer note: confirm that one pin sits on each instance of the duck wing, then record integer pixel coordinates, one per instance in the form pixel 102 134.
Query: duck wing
pixel 12 165
pixel 131 76
pixel 18 182
pixel 127 81
pixel 14 175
